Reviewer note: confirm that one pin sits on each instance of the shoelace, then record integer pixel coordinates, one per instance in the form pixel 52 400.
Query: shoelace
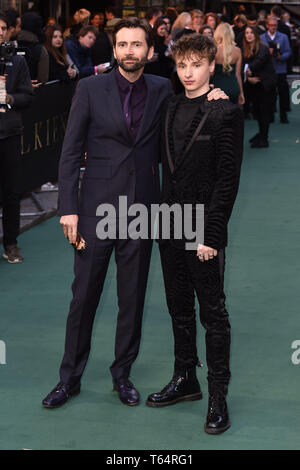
pixel 126 385
pixel 174 382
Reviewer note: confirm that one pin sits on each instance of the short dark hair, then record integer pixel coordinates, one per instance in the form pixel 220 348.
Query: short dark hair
pixel 151 12
pixel 252 17
pixel 4 18
pixel 111 9
pixel 87 29
pixel 276 10
pixel 196 44
pixel 98 13
pixel 11 16
pixel 133 22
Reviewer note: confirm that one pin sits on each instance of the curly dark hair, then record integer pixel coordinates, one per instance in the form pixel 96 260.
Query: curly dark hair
pixel 194 44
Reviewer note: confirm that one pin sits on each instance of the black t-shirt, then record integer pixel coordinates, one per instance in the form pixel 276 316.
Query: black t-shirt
pixel 184 116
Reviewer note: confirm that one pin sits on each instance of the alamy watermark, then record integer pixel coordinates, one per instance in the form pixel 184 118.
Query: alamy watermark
pixel 138 222
pixel 295 358
pixel 296 93
pixel 2 352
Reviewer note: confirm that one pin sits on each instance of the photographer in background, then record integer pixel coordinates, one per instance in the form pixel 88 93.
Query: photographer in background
pixel 280 51
pixel 15 93
pixel 14 21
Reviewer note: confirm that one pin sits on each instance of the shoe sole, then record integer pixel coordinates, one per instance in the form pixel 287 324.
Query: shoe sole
pixel 12 262
pixel 195 396
pixel 71 394
pixel 216 430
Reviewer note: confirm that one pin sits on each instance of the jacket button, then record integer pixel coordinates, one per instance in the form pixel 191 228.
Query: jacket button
pixel 131 172
pixel 174 181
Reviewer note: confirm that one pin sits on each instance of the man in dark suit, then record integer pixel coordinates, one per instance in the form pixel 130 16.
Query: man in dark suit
pixel 115 117
pixel 201 158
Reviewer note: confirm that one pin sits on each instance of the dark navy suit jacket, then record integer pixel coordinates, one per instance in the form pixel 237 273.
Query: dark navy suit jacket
pixel 116 165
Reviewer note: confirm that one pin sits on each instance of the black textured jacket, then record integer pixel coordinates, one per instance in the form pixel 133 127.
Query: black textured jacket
pixel 207 171
pixel 18 86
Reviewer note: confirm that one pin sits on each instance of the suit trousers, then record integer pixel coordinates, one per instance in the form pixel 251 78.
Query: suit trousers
pixel 132 259
pixel 284 95
pixel 184 274
pixel 10 172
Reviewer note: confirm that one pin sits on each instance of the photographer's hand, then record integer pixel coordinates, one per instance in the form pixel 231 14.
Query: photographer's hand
pixel 35 84
pixel 3 93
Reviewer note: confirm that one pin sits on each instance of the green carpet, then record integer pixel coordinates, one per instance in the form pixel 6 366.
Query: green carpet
pixel 262 287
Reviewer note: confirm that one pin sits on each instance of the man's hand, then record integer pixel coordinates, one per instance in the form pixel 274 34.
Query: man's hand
pixel 101 68
pixel 35 84
pixel 217 94
pixel 253 80
pixel 69 224
pixel 206 253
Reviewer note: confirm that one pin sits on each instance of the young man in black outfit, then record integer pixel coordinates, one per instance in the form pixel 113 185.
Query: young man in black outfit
pixel 201 158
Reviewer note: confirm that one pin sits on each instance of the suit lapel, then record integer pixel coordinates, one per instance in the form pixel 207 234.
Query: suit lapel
pixel 170 161
pixel 169 141
pixel 150 107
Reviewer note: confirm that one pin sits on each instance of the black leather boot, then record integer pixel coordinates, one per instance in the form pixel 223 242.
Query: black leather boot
pixel 217 420
pixel 182 387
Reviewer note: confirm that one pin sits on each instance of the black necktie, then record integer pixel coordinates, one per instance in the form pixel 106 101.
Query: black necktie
pixel 127 107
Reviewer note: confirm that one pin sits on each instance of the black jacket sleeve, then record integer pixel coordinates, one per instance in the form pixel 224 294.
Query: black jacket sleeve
pixel 260 60
pixel 229 134
pixel 19 87
pixel 73 148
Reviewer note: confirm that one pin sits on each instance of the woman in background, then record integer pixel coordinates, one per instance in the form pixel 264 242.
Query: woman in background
pixel 197 19
pixel 260 82
pixel 182 25
pixel 160 64
pixel 228 62
pixel 207 31
pixel 212 20
pixel 59 68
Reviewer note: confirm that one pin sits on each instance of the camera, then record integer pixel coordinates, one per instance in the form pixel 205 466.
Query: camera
pixel 7 51
pixel 276 48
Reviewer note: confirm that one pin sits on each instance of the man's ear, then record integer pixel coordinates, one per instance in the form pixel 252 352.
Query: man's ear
pixel 114 51
pixel 212 67
pixel 150 53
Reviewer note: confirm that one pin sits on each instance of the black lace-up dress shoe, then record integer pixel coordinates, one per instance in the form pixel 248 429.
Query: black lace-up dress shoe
pixel 60 394
pixel 128 394
pixel 217 420
pixel 180 388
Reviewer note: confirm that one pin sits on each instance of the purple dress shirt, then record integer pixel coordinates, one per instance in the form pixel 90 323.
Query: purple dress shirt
pixel 137 100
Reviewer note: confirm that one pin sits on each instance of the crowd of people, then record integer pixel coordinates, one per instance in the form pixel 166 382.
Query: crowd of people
pixel 255 52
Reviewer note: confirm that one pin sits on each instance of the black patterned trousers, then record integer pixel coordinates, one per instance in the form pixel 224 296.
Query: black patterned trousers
pixel 184 275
